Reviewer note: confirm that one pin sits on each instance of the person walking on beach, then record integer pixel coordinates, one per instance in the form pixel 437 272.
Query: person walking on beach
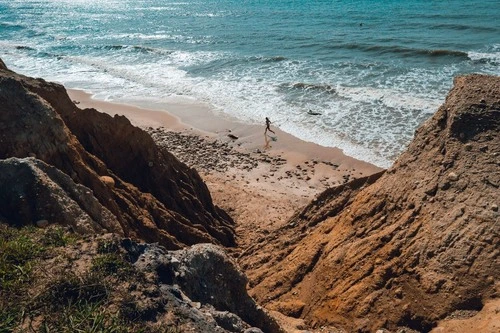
pixel 268 123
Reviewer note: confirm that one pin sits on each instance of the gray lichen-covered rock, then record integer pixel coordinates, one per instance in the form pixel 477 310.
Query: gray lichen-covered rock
pixel 208 281
pixel 33 191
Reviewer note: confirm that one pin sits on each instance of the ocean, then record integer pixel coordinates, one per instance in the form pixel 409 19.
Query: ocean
pixel 360 75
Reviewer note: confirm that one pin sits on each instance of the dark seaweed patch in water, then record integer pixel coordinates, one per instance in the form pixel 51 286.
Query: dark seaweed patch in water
pixel 315 87
pixel 461 27
pixel 274 59
pixel 23 47
pixel 143 49
pixel 447 53
pixel 114 47
pixel 136 48
pixel 268 59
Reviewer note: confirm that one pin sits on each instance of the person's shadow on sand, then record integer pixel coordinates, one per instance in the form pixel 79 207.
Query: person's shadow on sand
pixel 267 141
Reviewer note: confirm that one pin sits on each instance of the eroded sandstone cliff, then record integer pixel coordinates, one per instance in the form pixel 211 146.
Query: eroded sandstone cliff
pixel 93 174
pixel 407 250
pixel 151 195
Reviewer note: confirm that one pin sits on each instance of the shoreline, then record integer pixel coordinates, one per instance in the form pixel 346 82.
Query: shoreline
pixel 199 119
pixel 259 187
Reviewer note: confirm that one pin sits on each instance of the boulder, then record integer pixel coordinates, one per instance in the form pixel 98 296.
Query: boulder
pixel 209 280
pixel 109 181
pixel 34 192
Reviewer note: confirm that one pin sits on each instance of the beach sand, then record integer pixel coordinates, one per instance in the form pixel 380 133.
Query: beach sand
pixel 258 181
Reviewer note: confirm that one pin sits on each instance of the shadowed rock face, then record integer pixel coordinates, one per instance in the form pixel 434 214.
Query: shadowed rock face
pixel 155 197
pixel 409 249
pixel 39 190
pixel 203 273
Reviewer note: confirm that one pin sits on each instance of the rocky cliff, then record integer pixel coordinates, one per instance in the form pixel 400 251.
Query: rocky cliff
pixel 137 189
pixel 406 249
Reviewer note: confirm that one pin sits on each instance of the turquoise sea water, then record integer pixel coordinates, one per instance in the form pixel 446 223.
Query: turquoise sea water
pixel 370 71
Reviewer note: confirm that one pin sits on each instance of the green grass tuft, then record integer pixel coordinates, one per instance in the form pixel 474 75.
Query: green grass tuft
pixel 71 290
pixel 17 251
pixel 108 246
pixel 62 302
pixel 84 317
pixel 112 265
pixel 57 237
pixel 20 248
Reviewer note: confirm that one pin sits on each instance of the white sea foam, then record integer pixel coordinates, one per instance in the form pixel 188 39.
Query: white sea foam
pixel 156 8
pixel 140 36
pixel 494 57
pixel 368 102
pixel 388 97
pixel 246 98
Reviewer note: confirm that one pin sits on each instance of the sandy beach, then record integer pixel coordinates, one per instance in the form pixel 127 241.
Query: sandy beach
pixel 259 181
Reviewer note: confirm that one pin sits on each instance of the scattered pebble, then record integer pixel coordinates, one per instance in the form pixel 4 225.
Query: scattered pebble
pixel 208 155
pixel 42 223
pixel 452 176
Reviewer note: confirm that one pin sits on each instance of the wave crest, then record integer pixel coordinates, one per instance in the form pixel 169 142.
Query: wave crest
pixel 482 57
pixel 446 53
pixel 136 48
pixel 406 52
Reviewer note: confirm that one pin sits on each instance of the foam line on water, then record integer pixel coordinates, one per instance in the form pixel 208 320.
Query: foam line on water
pixel 247 98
